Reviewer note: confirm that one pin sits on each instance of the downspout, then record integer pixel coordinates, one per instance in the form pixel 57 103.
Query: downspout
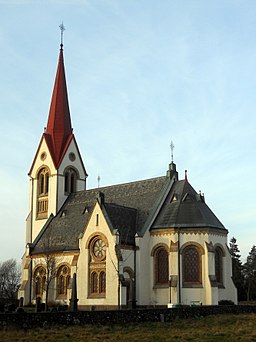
pixel 57 193
pixel 134 301
pixel 30 285
pixel 31 232
pixel 32 210
pixel 179 277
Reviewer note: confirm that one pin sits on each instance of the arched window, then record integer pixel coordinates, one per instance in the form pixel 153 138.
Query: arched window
pixel 219 265
pixel 43 182
pixel 70 181
pixel 102 282
pixel 94 282
pixel 191 263
pixel 39 278
pixel 42 191
pixel 97 265
pixel 63 279
pixel 161 266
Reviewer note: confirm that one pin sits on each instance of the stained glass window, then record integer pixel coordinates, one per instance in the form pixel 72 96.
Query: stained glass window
pixel 218 265
pixel 161 266
pixel 191 265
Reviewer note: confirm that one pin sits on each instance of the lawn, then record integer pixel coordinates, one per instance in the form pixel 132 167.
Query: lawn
pixel 212 328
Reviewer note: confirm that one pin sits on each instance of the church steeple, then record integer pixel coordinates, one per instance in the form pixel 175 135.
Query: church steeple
pixel 57 169
pixel 58 133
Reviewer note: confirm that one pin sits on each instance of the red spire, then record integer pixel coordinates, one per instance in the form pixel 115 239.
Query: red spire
pixel 58 132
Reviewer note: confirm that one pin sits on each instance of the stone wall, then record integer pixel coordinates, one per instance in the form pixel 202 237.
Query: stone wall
pixel 48 319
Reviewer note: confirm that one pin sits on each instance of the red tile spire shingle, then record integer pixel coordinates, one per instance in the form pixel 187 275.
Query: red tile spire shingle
pixel 58 133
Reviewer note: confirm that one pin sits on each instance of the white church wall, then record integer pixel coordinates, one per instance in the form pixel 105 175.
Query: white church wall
pixel 92 230
pixel 77 165
pixel 143 278
pixel 33 195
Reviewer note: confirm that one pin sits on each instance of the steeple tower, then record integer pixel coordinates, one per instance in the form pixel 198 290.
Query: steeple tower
pixel 58 133
pixel 57 169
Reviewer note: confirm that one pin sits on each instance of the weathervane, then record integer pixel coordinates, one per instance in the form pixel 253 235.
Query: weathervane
pixel 62 29
pixel 172 148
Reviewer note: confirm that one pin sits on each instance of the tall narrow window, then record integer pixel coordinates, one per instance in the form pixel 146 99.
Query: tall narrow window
pixel 39 278
pixel 191 263
pixel 97 265
pixel 43 180
pixel 161 266
pixel 102 282
pixel 63 279
pixel 43 189
pixel 94 282
pixel 219 265
pixel 70 181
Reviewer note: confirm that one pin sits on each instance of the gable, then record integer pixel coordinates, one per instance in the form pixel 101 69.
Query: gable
pixel 127 207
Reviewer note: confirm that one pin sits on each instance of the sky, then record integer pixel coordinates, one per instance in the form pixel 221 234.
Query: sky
pixel 140 74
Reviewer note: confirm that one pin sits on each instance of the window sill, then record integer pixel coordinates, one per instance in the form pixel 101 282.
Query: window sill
pixel 161 286
pixel 192 285
pixel 61 296
pixel 96 295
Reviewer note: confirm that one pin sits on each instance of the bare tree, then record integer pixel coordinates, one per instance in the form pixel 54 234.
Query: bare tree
pixel 50 260
pixel 10 277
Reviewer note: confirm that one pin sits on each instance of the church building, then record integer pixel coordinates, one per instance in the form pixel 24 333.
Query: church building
pixel 151 242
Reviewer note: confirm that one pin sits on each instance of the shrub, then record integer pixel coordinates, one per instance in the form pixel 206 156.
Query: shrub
pixel 226 302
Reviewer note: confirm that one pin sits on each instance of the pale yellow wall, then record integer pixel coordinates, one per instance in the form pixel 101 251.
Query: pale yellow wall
pixel 77 165
pixel 147 294
pixel 111 262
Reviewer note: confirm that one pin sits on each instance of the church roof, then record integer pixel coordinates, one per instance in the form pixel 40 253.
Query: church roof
pixel 185 208
pixel 58 133
pixel 127 207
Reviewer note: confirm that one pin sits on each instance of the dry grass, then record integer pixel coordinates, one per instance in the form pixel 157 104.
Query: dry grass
pixel 213 328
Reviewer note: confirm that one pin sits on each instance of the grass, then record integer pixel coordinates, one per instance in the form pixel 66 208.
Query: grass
pixel 212 328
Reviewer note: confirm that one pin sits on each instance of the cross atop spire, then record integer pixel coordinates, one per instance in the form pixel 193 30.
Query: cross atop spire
pixel 62 29
pixel 172 148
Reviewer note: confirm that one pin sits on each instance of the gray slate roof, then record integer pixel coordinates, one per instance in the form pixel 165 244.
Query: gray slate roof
pixel 185 208
pixel 127 208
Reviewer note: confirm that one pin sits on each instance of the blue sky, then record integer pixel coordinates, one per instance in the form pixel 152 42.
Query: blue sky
pixel 140 73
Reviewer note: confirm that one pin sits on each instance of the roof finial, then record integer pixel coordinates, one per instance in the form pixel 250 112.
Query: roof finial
pixel 186 175
pixel 172 148
pixel 98 179
pixel 62 29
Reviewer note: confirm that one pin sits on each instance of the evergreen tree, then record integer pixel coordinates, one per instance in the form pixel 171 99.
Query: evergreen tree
pixel 237 269
pixel 250 274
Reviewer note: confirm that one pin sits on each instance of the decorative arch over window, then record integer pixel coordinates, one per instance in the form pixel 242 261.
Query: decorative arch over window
pixel 71 176
pixel 219 265
pixel 161 265
pixel 42 192
pixel 63 279
pixel 39 277
pixel 192 265
pixel 97 245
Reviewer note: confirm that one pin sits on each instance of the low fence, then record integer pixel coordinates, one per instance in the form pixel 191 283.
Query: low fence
pixel 48 319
